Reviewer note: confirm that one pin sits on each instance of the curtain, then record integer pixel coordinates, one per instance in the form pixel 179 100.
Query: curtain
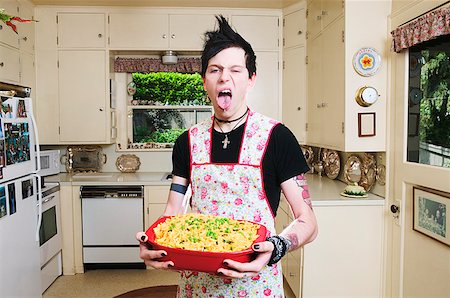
pixel 147 65
pixel 429 26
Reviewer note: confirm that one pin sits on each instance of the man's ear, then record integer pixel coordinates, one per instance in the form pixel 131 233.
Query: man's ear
pixel 252 81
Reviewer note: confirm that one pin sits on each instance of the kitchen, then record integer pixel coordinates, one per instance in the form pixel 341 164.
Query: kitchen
pixel 107 120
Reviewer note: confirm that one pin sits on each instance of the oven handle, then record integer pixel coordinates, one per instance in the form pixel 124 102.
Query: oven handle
pixel 46 200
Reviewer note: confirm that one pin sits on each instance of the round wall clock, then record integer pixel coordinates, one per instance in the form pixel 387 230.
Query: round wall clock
pixel 366 96
pixel 366 62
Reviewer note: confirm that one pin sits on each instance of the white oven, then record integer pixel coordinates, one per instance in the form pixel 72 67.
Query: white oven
pixel 50 235
pixel 50 161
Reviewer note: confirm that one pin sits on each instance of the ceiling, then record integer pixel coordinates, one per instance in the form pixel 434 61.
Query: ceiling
pixel 173 3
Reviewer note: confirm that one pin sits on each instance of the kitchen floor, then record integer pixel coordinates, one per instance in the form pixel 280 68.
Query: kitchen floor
pixel 113 282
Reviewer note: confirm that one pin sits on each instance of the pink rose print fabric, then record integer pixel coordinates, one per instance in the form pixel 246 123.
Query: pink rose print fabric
pixel 235 191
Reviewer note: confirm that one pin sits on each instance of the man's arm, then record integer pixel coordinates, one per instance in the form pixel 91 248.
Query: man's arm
pixel 303 229
pixel 176 196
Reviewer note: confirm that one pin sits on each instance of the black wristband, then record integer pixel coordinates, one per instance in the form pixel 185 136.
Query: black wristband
pixel 281 247
pixel 178 188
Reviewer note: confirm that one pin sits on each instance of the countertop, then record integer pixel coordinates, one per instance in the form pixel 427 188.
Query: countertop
pixel 324 191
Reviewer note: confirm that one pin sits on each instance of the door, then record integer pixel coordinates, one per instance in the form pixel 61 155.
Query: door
pixel 420 264
pixel 83 96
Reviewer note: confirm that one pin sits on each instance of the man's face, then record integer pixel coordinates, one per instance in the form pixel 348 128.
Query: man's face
pixel 227 82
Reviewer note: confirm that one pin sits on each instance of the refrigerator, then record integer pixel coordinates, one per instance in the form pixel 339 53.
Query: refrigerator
pixel 20 196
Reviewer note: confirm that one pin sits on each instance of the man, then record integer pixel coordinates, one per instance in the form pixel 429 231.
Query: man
pixel 237 163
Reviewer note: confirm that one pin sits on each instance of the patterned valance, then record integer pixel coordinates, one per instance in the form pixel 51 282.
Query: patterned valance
pixel 429 26
pixel 147 65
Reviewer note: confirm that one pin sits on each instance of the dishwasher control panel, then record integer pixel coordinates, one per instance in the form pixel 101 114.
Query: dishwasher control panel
pixel 112 191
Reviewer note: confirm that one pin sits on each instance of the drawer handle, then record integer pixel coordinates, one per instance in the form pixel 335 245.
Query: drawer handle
pixel 292 274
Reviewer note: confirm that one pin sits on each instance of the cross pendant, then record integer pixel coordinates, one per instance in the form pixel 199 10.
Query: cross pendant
pixel 225 142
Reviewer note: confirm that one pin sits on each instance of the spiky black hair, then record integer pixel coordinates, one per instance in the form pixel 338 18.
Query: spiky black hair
pixel 223 38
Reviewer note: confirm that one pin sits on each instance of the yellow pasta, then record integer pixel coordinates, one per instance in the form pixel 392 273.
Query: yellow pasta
pixel 206 233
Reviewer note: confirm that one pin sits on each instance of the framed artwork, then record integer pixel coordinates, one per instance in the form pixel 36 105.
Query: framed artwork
pixel 430 212
pixel 366 124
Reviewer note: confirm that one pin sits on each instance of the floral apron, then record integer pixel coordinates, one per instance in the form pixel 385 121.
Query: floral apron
pixel 234 191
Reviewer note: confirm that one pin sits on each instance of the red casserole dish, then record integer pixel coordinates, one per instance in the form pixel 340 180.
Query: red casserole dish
pixel 203 261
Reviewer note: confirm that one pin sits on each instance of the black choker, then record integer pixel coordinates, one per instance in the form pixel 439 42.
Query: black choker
pixel 230 121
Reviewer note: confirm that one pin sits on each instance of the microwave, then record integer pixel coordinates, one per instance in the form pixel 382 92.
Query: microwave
pixel 50 162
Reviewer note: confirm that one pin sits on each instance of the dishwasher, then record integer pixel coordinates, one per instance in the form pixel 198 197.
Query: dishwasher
pixel 111 216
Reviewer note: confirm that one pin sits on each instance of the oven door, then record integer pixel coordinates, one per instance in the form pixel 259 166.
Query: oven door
pixel 50 231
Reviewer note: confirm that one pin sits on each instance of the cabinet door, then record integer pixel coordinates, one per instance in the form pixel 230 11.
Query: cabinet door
pixel 139 31
pixel 294 31
pixel 331 9
pixel 7 35
pixel 294 92
pixel 27 72
pixel 187 31
pixel 155 199
pixel 81 30
pixel 262 32
pixel 26 30
pixel 82 96
pixel 9 64
pixel 314 133
pixel 313 18
pixel 333 86
pixel 263 98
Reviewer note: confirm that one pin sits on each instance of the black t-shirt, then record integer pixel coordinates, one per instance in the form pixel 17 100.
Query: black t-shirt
pixel 283 158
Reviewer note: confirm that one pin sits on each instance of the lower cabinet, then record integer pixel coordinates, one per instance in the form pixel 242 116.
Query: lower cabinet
pixel 346 258
pixel 155 199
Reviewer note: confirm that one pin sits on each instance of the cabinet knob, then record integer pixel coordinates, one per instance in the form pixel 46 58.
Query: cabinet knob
pixel 291 274
pixel 395 209
pixel 25 38
pixel 100 109
pixel 100 35
pixel 164 36
pixel 1 27
pixel 173 36
pixel 299 32
pixel 299 108
pixel 2 64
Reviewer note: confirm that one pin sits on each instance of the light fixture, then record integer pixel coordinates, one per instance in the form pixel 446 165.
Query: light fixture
pixel 169 57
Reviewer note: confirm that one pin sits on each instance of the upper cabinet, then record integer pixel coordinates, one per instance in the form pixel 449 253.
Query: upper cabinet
pixel 262 32
pixel 321 13
pixel 335 119
pixel 81 30
pixel 7 35
pixel 294 28
pixel 159 31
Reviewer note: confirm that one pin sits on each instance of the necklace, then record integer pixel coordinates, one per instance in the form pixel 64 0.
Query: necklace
pixel 225 141
pixel 230 121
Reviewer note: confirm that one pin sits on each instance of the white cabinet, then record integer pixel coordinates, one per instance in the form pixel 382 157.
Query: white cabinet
pixel 9 64
pixel 332 42
pixel 294 92
pixel 155 199
pixel 294 28
pixel 321 13
pixel 26 30
pixel 326 88
pixel 262 32
pixel 81 30
pixel 345 260
pixel 159 31
pixel 83 101
pixel 7 35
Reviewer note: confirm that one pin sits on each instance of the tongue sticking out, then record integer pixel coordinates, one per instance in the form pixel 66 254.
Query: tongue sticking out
pixel 224 100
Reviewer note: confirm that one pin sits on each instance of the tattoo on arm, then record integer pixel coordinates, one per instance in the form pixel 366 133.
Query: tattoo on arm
pixel 294 240
pixel 300 180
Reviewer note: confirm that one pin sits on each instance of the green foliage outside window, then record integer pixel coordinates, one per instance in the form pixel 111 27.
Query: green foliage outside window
pixel 435 105
pixel 169 88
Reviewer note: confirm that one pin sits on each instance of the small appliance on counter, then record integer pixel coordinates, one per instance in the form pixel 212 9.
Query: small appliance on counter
pixel 84 159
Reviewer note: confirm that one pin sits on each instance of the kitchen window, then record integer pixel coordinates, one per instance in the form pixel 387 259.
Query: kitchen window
pixel 428 103
pixel 163 106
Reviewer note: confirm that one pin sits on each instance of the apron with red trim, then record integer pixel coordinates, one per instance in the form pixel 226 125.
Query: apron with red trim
pixel 234 190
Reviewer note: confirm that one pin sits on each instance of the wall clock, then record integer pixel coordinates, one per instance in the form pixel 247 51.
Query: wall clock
pixel 366 96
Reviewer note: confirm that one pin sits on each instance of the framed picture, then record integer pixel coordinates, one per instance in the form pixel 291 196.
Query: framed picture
pixel 366 124
pixel 430 209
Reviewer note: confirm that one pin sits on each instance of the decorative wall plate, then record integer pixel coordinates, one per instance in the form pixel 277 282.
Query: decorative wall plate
pixel 128 163
pixel 366 62
pixel 353 196
pixel 369 171
pixel 381 174
pixel 332 163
